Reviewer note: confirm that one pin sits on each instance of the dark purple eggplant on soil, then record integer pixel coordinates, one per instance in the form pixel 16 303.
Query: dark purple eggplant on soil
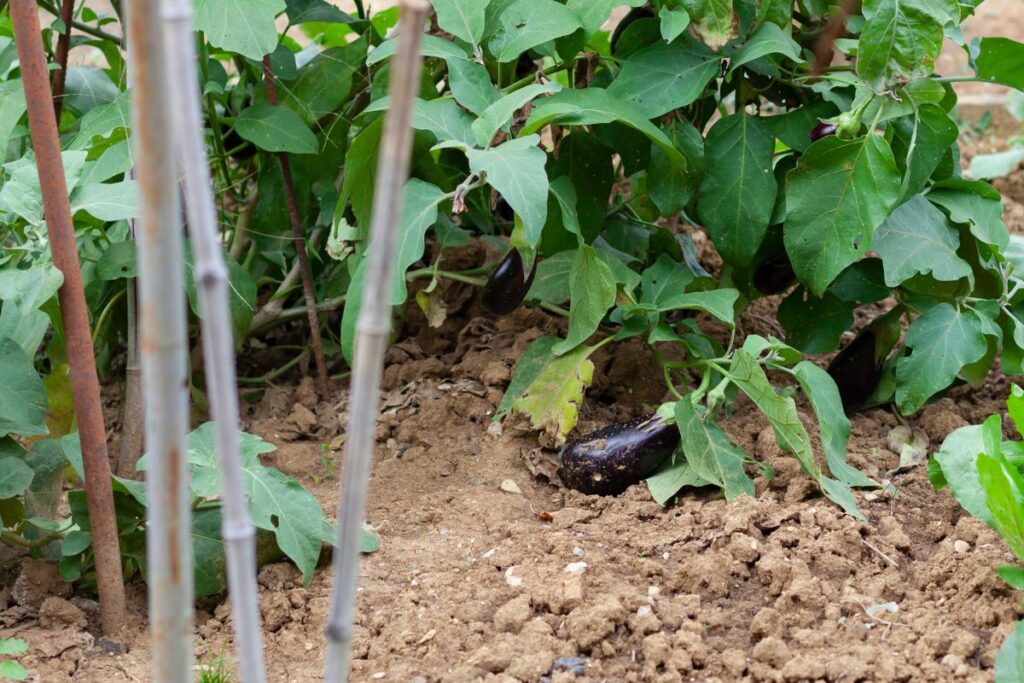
pixel 608 461
pixel 823 130
pixel 857 370
pixel 508 285
pixel 774 274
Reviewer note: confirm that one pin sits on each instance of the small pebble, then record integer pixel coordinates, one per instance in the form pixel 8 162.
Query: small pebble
pixel 509 486
pixel 575 567
pixel 494 429
pixel 961 546
pixel 511 579
pixel 578 551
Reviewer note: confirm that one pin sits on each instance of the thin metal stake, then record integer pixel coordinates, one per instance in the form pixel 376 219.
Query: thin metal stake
pixel 372 331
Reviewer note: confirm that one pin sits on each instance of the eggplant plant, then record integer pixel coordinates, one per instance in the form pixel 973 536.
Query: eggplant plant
pixel 590 157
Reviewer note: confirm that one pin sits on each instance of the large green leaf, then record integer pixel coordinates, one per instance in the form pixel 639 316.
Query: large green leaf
pixel 958 458
pixel 918 238
pixel 107 201
pixel 23 399
pixel 664 281
pixel 527 23
pixel 768 39
pixel 591 106
pixel 324 83
pixel 552 400
pixel 464 19
pixel 242 26
pixel 15 477
pixel 667 482
pixel 498 114
pixel 710 453
pixel 900 41
pixel 593 293
pixel 669 185
pixel 277 502
pixel 920 143
pixel 976 204
pixel 1001 60
pixel 790 434
pixel 664 77
pixel 593 14
pixel 833 424
pixel 306 11
pixel 839 192
pixel 590 167
pixel 1010 659
pixel 551 282
pixel 814 325
pixel 275 129
pixel 738 192
pixel 419 211
pixel 12 108
pixel 516 170
pixel 721 303
pixel 1003 495
pixel 943 340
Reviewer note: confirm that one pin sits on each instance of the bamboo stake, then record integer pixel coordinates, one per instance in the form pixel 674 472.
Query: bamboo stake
pixel 211 275
pixel 63 47
pixel 74 313
pixel 300 246
pixel 164 349
pixel 372 331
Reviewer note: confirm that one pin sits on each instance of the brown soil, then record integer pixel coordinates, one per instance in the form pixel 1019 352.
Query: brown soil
pixel 473 582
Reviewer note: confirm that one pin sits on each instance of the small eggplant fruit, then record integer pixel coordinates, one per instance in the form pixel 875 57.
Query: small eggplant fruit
pixel 857 370
pixel 774 274
pixel 525 65
pixel 642 12
pixel 823 129
pixel 504 211
pixel 608 461
pixel 241 148
pixel 508 285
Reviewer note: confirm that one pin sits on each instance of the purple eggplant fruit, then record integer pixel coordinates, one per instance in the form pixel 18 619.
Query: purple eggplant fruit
pixel 774 274
pixel 822 130
pixel 504 211
pixel 608 461
pixel 857 370
pixel 508 285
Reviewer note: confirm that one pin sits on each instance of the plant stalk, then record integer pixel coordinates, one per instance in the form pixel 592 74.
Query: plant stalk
pixel 211 276
pixel 74 313
pixel 372 331
pixel 164 350
pixel 300 246
pixel 63 47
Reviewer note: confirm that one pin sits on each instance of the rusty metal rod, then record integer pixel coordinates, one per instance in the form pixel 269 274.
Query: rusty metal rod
pixel 74 310
pixel 63 47
pixel 372 331
pixel 300 246
pixel 163 343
